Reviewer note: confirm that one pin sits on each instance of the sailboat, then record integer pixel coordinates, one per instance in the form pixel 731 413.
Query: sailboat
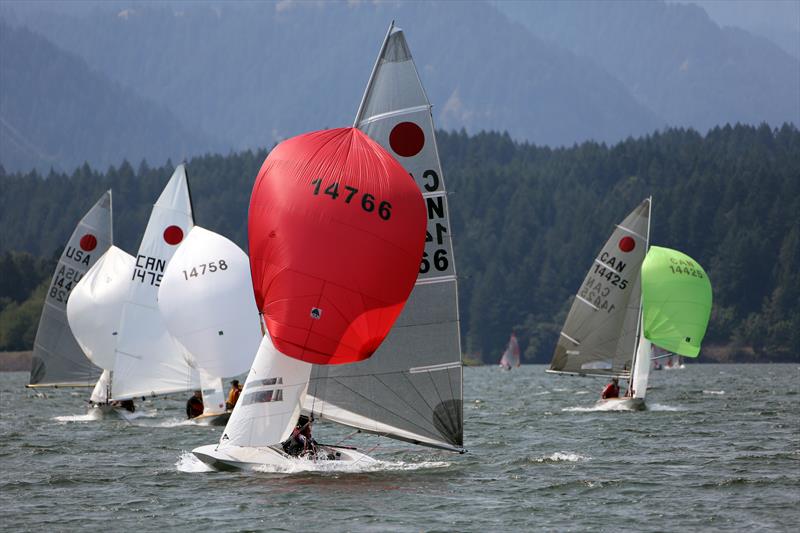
pixel 630 302
pixel 206 300
pixel 115 314
pixel 600 335
pixel 411 389
pixel 58 360
pixel 336 232
pixel 510 356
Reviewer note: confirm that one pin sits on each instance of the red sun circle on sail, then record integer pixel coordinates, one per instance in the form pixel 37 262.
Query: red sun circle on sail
pixel 626 244
pixel 88 242
pixel 173 235
pixel 407 139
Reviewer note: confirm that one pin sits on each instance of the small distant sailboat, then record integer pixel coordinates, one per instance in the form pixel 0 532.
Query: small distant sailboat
pixel 206 300
pixel 58 360
pixel 336 229
pixel 511 354
pixel 633 298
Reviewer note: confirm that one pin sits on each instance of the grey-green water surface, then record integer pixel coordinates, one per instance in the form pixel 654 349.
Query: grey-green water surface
pixel 719 449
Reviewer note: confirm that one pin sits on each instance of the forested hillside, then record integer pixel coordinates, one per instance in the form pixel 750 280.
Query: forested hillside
pixel 527 222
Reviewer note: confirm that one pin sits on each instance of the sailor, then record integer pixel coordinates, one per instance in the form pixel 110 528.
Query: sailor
pixel 300 441
pixel 611 390
pixel 233 394
pixel 126 404
pixel 194 406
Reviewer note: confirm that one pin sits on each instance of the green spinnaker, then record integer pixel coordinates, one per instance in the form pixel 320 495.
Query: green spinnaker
pixel 676 301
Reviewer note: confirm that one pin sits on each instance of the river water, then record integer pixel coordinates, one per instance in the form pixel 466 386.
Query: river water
pixel 719 449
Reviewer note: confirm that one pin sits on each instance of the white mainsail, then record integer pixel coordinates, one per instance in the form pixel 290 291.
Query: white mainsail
pixel 148 360
pixel 599 336
pixel 57 357
pixel 95 306
pixel 411 388
pixel 206 301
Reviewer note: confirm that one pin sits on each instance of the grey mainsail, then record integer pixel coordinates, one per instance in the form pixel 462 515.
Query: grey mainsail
pixel 411 388
pixel 57 358
pixel 599 335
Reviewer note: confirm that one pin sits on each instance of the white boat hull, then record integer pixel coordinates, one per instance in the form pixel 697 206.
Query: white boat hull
pixel 245 458
pixel 622 404
pixel 104 410
pixel 212 419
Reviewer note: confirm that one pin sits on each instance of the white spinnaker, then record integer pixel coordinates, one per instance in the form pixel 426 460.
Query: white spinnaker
pixel 148 360
pixel 95 307
pixel 213 393
pixel 102 388
pixel 57 357
pixel 206 301
pixel 270 402
pixel 641 368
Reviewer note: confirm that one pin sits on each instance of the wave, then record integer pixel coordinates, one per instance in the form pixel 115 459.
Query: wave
pixel 189 463
pixel 559 457
pixel 662 407
pixel 717 392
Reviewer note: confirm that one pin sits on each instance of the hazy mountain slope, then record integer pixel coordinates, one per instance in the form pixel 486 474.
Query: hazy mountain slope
pixel 253 73
pixel 674 59
pixel 55 111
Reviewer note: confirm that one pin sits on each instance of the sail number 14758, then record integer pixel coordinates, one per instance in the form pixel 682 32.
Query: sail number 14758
pixel 201 269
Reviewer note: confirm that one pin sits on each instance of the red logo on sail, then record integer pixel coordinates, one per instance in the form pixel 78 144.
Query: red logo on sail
pixel 173 235
pixel 407 139
pixel 88 242
pixel 626 244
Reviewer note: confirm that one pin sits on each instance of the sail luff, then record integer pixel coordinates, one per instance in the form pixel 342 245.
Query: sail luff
pixel 639 323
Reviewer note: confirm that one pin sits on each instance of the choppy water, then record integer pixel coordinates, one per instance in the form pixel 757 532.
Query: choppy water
pixel 719 450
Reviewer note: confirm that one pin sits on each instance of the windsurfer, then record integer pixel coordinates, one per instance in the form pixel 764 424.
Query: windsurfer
pixel 194 406
pixel 611 390
pixel 233 394
pixel 300 441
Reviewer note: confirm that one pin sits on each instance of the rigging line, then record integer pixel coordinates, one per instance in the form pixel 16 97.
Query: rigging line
pixel 356 432
pixel 398 415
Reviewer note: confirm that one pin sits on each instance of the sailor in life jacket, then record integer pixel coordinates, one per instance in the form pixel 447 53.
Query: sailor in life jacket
pixel 300 440
pixel 611 390
pixel 233 394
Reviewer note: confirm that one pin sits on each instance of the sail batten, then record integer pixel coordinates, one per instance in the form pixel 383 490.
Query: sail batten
pixel 57 357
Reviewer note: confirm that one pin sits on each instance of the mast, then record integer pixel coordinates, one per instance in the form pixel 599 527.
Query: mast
pixel 639 325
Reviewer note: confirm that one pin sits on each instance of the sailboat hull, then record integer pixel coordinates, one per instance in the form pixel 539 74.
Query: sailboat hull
pixel 622 404
pixel 233 458
pixel 101 411
pixel 212 419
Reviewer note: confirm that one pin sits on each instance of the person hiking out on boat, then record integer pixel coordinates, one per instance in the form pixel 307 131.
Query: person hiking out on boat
pixel 233 394
pixel 194 406
pixel 611 390
pixel 300 441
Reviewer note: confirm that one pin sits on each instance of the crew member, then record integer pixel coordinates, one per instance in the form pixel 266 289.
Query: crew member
pixel 300 441
pixel 233 394
pixel 194 406
pixel 611 390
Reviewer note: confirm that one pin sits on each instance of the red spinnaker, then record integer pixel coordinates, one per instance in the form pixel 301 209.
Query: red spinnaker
pixel 336 229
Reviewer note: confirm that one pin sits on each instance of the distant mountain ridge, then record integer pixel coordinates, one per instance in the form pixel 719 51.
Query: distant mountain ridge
pixel 251 74
pixel 56 112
